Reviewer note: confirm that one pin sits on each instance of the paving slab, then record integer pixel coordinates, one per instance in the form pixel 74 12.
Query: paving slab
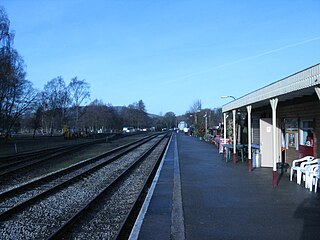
pixel 224 201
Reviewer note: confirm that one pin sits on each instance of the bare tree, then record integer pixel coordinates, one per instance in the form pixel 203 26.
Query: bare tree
pixel 216 116
pixel 135 115
pixel 196 107
pixel 6 70
pixel 16 93
pixel 31 120
pixel 101 117
pixel 79 91
pixel 56 100
pixel 170 120
pixel 141 106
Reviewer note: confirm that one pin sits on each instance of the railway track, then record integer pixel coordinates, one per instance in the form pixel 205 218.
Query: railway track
pixel 25 156
pixel 72 169
pixel 61 199
pixel 13 164
pixel 58 161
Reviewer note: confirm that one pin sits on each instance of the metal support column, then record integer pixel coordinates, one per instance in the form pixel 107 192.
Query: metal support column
pixel 224 133
pixel 234 137
pixel 224 127
pixel 317 89
pixel 274 103
pixel 249 138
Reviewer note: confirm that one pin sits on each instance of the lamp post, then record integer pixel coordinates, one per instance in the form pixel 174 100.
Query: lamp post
pixel 228 97
pixel 206 123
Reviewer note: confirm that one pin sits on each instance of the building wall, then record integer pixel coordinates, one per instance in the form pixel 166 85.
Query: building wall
pixel 255 130
pixel 309 109
pixel 301 108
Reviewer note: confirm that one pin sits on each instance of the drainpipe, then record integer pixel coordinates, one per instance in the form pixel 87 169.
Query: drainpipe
pixel 224 127
pixel 234 137
pixel 249 138
pixel 274 103
pixel 224 131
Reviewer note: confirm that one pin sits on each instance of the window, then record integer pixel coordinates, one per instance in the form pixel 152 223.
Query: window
pixel 306 133
pixel 291 130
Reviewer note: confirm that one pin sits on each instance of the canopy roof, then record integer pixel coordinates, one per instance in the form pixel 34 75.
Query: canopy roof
pixel 296 85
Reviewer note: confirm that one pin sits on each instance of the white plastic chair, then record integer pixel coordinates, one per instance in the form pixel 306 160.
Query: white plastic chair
pixel 305 170
pixel 314 178
pixel 296 167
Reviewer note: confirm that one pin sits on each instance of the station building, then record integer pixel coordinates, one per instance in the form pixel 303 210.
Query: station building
pixel 282 120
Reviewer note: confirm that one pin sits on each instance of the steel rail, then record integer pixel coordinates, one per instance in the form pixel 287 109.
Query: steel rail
pixel 40 152
pixel 26 187
pixel 22 164
pixel 127 224
pixel 59 233
pixel 61 172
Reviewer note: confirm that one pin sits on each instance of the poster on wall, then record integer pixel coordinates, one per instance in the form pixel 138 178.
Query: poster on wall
pixel 292 139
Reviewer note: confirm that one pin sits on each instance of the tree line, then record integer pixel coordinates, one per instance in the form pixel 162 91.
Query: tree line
pixel 63 105
pixel 59 104
pixel 16 92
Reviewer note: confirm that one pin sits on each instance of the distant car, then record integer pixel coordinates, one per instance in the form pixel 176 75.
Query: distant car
pixel 127 129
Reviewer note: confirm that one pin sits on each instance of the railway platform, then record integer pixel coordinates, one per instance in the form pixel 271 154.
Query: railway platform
pixel 197 195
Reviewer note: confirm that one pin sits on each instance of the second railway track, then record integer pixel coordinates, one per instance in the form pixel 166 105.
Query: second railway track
pixel 13 164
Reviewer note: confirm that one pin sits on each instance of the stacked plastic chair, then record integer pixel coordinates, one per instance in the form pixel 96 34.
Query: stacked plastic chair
pixel 296 166
pixel 313 177
pixel 305 170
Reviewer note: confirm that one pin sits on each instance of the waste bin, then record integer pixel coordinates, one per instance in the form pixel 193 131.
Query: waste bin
pixel 256 159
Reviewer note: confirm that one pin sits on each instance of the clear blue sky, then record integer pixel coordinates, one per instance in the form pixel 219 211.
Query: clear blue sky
pixel 169 53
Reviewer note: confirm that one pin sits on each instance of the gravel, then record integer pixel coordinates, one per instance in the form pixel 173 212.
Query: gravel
pixel 41 219
pixel 61 162
pixel 112 211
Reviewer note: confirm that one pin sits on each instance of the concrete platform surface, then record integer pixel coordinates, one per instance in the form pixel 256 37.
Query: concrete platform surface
pixel 222 200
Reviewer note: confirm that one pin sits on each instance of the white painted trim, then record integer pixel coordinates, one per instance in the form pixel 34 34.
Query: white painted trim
pixel 274 103
pixel 224 127
pixel 139 221
pixel 317 89
pixel 177 218
pixel 234 132
pixel 249 131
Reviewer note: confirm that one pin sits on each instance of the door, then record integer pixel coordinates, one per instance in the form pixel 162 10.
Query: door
pixel 266 142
